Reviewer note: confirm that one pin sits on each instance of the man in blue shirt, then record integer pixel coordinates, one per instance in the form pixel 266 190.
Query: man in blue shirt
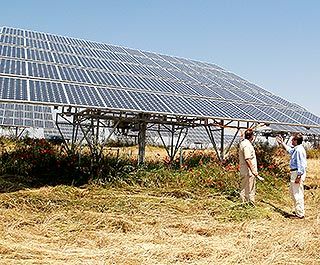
pixel 298 167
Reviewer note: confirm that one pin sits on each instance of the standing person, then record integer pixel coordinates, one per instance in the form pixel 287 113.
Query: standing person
pixel 298 167
pixel 248 168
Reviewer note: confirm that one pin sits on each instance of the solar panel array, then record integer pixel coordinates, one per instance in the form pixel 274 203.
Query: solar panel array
pixel 294 129
pixel 66 131
pixel 196 137
pixel 199 136
pixel 25 115
pixel 57 70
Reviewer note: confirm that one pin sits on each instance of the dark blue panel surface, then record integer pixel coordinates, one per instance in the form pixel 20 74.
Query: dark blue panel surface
pixel 49 92
pixel 83 95
pixel 13 88
pixel 149 102
pixel 117 99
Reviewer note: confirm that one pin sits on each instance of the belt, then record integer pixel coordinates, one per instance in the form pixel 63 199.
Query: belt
pixel 293 169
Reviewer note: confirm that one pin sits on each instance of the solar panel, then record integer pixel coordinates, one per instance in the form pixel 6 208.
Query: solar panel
pixel 50 92
pixel 277 114
pixel 23 115
pixel 44 68
pixel 65 129
pixel 13 88
pixel 151 103
pixel 11 51
pixel 294 129
pixel 198 137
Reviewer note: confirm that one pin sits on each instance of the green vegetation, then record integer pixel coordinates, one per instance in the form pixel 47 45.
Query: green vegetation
pixel 34 163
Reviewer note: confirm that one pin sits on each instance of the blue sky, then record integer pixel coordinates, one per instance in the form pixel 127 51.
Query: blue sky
pixel 273 43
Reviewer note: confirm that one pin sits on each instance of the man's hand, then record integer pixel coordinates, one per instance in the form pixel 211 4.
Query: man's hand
pixel 279 139
pixel 298 179
pixel 259 178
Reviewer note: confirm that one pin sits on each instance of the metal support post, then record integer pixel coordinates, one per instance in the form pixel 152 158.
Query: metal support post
pixel 142 142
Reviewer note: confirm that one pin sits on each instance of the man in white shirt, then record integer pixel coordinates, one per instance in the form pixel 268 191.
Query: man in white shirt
pixel 248 168
pixel 298 167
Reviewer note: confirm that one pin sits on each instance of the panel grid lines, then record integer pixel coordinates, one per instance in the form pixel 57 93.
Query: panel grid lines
pixel 24 115
pixel 73 78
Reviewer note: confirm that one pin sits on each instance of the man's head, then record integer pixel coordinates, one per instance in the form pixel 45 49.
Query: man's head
pixel 297 139
pixel 248 134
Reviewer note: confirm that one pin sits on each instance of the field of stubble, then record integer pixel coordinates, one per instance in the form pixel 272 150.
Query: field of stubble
pixel 129 226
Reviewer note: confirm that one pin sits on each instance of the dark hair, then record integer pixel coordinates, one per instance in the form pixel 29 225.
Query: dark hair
pixel 248 133
pixel 299 138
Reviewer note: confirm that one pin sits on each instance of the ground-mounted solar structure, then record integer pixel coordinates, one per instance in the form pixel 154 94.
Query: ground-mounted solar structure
pixel 94 85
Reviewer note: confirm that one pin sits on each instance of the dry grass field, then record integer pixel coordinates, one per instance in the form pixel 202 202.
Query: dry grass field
pixel 129 226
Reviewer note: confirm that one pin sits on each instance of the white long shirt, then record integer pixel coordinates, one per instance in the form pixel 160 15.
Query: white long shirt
pixel 246 151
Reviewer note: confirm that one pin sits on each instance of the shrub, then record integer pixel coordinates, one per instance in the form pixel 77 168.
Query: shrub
pixel 191 159
pixel 271 160
pixel 28 157
pixel 39 161
pixel 113 169
pixel 42 162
